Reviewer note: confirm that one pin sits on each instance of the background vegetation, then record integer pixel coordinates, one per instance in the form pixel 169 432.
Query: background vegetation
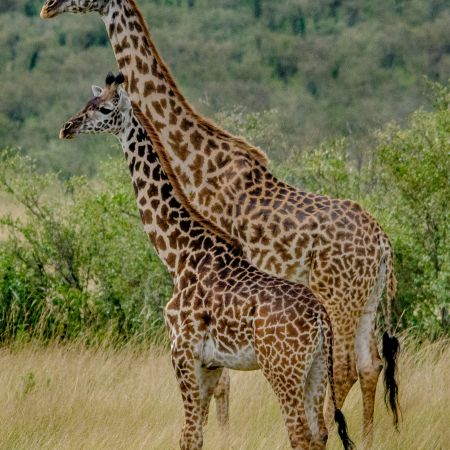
pixel 317 77
pixel 328 67
pixel 76 262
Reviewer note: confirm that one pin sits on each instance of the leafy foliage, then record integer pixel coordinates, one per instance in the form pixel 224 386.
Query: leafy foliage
pixel 78 263
pixel 312 73
pixel 404 181
pixel 416 164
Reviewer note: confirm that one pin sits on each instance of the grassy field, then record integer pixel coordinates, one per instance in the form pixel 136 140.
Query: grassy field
pixel 70 397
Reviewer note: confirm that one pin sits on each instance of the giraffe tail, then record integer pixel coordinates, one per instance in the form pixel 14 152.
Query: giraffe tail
pixel 391 345
pixel 338 415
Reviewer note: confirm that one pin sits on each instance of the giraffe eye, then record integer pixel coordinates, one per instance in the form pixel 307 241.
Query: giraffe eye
pixel 105 110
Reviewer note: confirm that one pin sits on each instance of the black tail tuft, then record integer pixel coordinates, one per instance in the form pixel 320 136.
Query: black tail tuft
pixel 391 347
pixel 342 430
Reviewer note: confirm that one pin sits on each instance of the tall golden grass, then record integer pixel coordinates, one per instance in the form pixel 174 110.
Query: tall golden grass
pixel 71 397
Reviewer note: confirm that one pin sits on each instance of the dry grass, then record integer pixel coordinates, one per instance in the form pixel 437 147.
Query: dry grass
pixel 9 207
pixel 68 397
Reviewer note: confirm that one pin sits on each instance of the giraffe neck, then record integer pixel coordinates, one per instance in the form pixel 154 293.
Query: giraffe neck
pixel 175 236
pixel 196 152
pixel 146 73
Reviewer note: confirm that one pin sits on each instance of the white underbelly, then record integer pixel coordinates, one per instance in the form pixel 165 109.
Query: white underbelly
pixel 242 358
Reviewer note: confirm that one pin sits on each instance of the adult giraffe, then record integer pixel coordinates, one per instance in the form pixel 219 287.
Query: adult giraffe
pixel 332 245
pixel 223 311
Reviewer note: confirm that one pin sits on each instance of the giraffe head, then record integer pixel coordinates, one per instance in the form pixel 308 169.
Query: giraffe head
pixel 107 112
pixel 52 8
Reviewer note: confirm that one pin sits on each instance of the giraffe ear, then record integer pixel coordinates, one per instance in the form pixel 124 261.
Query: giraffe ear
pixel 97 91
pixel 124 101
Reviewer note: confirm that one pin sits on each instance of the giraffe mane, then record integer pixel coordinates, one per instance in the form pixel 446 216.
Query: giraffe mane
pixel 207 124
pixel 179 193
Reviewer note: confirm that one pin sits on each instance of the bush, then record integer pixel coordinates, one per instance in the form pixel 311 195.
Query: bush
pixel 416 166
pixel 404 181
pixel 78 263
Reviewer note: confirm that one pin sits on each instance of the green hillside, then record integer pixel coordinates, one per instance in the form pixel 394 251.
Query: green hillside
pixel 328 67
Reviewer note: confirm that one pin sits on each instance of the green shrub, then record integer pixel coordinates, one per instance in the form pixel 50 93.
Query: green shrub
pixel 416 166
pixel 77 263
pixel 403 179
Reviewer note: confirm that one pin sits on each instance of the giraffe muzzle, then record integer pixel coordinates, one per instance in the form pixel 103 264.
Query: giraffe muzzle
pixel 50 9
pixel 68 131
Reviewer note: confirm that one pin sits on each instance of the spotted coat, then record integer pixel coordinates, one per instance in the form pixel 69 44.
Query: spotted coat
pixel 332 245
pixel 224 312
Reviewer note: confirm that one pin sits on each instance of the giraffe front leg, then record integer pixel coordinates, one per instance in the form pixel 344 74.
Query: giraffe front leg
pixel 215 382
pixel 192 431
pixel 197 386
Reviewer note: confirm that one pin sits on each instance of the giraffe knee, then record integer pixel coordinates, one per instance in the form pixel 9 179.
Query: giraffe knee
pixel 371 370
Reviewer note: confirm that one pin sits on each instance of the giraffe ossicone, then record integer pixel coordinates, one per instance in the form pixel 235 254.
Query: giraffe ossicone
pixel 224 312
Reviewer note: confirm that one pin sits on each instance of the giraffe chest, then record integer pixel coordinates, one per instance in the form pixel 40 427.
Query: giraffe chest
pixel 215 351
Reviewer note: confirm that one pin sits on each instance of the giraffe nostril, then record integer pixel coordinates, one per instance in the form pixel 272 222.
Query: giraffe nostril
pixel 67 131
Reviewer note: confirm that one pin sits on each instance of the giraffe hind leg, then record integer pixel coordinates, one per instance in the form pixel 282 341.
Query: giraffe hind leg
pixel 288 380
pixel 222 398
pixel 315 389
pixel 369 366
pixel 295 417
pixel 345 375
pixel 197 385
pixel 368 360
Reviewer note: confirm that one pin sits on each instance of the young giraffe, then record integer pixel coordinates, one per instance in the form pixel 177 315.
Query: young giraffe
pixel 331 245
pixel 224 312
